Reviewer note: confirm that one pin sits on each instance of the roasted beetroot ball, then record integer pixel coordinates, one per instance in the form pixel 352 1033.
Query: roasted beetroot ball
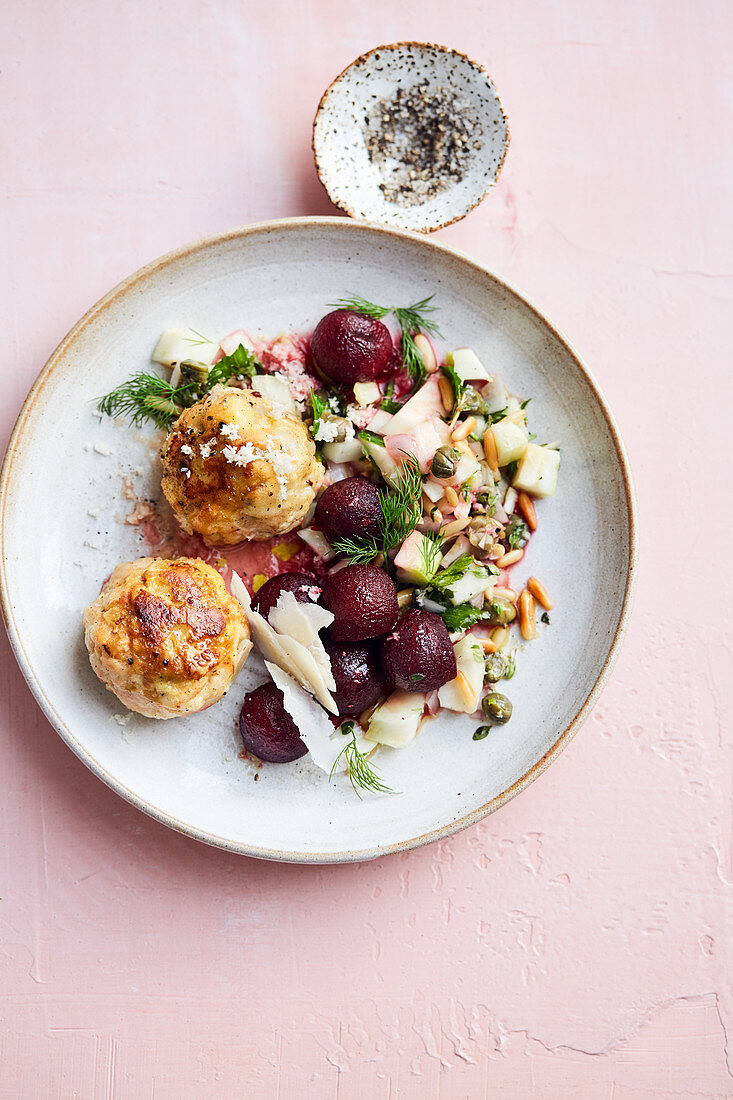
pixel 363 601
pixel 358 682
pixel 349 507
pixel 418 655
pixel 305 588
pixel 267 729
pixel 350 347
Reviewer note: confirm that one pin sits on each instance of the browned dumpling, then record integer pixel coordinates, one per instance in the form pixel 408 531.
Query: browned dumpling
pixel 165 636
pixel 238 466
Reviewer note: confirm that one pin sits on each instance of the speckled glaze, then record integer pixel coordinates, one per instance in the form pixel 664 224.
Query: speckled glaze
pixel 187 773
pixel 339 146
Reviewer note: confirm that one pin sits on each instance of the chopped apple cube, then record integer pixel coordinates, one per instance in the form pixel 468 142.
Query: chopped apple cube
pixel 511 441
pixel 537 471
pixel 396 721
pixel 463 693
pixel 417 559
pixel 177 344
pixel 467 365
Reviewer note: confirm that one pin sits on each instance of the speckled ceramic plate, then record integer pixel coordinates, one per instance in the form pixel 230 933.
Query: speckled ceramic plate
pixel 67 466
pixel 363 169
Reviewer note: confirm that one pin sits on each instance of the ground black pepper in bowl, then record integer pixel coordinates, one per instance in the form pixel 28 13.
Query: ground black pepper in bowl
pixel 422 139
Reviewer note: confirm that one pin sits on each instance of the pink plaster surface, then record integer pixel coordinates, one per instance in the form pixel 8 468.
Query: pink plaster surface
pixel 577 944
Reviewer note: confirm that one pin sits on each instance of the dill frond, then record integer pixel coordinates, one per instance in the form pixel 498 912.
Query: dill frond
pixel 361 775
pixel 401 506
pixel 147 396
pixel 411 319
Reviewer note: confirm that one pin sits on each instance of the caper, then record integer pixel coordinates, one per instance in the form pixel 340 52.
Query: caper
pixel 500 612
pixel 194 371
pixel 497 707
pixel 445 462
pixel 471 401
pixel 495 666
pixel 481 534
pixel 481 732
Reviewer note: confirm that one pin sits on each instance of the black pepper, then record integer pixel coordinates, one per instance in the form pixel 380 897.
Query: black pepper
pixel 422 139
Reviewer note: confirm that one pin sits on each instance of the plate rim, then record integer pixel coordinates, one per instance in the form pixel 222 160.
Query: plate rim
pixel 255 851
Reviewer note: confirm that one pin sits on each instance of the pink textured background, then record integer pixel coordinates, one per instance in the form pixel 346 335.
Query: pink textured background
pixel 576 944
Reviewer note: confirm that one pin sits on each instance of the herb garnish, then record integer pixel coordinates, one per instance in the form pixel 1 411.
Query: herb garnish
pixel 240 364
pixel 401 506
pixel 516 533
pixel 147 396
pixel 453 572
pixel 362 777
pixel 411 319
pixel 462 616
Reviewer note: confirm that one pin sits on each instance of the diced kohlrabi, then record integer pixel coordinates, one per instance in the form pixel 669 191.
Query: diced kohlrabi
pixel 276 389
pixel 417 410
pixel 380 421
pixel 433 489
pixel 177 344
pixel 474 581
pixel 495 395
pixel 467 470
pixel 467 365
pixel 231 342
pixel 318 542
pixel 511 441
pixel 348 451
pixel 460 546
pixel 396 721
pixel 417 559
pixel 537 471
pixel 381 458
pixel 463 693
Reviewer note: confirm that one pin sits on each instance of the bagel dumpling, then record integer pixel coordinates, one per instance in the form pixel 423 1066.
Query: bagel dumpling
pixel 165 636
pixel 238 466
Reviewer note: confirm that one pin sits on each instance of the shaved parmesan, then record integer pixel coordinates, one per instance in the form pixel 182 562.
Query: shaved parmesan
pixel 313 725
pixel 325 744
pixel 310 666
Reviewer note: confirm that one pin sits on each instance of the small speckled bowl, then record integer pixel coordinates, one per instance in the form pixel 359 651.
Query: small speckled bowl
pixel 356 184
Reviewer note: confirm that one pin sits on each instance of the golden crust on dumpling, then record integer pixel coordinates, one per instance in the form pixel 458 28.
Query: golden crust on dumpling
pixel 166 636
pixel 238 466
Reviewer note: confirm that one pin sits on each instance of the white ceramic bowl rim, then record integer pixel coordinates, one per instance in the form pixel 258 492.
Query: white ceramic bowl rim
pixel 345 204
pixel 318 857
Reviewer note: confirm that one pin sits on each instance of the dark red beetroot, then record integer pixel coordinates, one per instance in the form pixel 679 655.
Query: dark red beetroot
pixel 267 729
pixel 418 655
pixel 350 347
pixel 305 588
pixel 358 683
pixel 349 507
pixel 363 600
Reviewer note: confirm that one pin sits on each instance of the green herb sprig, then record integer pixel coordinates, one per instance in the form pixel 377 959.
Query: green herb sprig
pixel 147 396
pixel 462 616
pixel 453 572
pixel 361 775
pixel 411 319
pixel 401 507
